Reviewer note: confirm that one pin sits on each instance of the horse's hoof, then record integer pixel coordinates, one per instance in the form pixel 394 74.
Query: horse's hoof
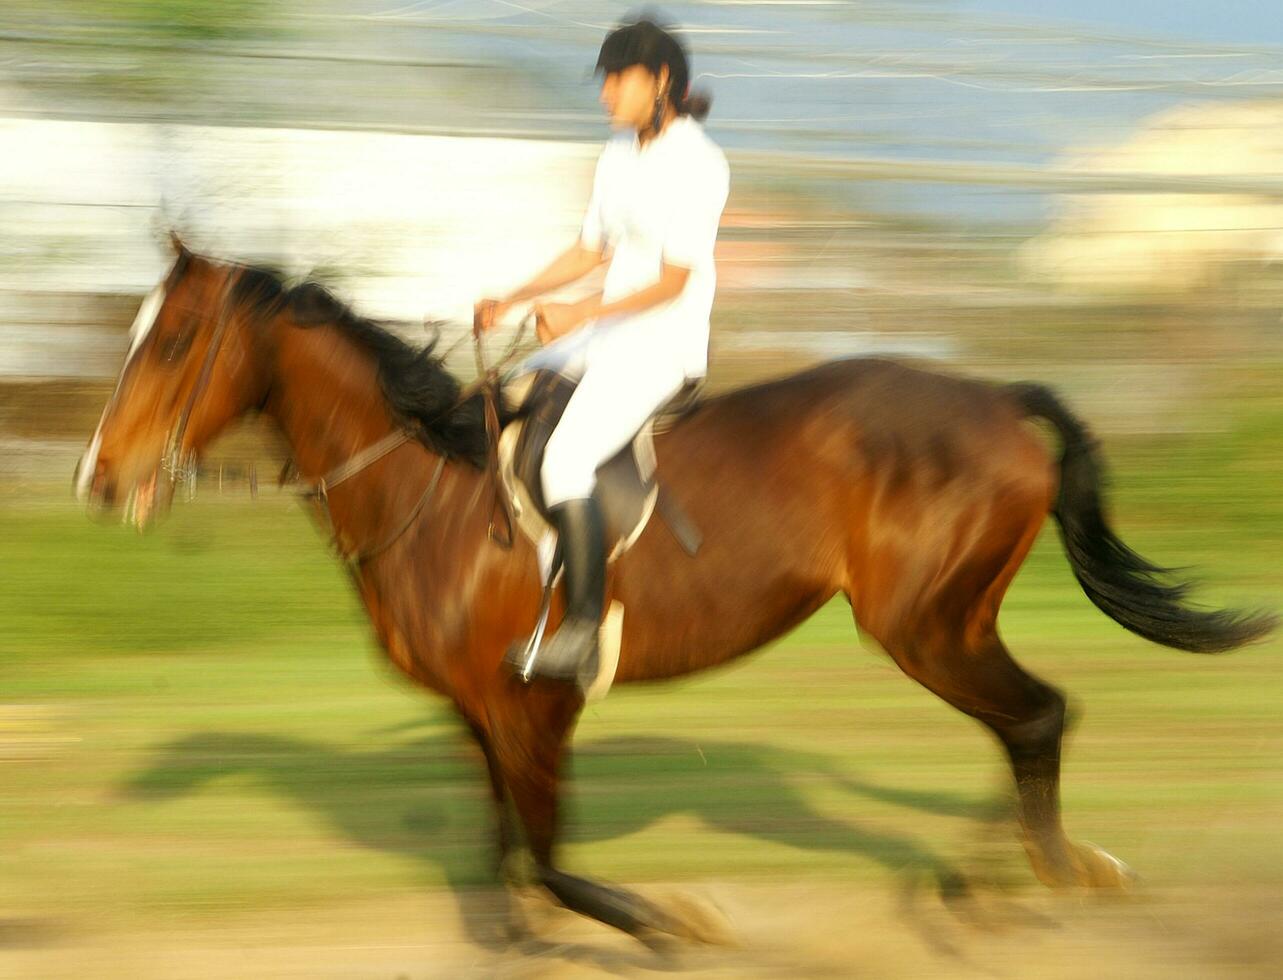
pixel 701 921
pixel 1102 871
pixel 1080 865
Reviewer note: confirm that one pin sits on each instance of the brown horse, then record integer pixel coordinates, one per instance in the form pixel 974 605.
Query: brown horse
pixel 915 495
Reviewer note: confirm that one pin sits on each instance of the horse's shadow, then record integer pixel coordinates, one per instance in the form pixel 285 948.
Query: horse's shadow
pixel 425 799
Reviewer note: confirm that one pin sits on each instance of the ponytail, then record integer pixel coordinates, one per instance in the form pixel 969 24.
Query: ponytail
pixel 696 104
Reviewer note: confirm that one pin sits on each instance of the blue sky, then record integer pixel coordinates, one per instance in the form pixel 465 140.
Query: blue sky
pixel 1219 21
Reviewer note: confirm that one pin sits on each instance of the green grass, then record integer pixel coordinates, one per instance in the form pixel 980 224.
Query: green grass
pixel 196 724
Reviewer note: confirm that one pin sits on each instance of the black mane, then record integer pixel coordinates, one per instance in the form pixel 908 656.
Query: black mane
pixel 416 385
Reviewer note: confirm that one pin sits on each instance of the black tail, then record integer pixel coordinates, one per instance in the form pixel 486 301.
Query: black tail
pixel 1143 597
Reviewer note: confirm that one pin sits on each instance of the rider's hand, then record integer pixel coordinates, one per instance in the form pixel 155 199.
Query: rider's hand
pixel 486 314
pixel 553 320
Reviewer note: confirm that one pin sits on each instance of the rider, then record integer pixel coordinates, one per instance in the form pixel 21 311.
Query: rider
pixel 657 198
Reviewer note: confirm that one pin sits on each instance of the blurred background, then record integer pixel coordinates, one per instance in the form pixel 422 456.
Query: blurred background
pixel 203 775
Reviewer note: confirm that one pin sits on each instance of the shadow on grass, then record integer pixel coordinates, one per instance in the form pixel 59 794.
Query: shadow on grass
pixel 425 799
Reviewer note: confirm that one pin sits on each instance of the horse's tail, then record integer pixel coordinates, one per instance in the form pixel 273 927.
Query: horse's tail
pixel 1145 598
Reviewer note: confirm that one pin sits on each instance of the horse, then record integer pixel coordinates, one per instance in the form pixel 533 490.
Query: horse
pixel 913 493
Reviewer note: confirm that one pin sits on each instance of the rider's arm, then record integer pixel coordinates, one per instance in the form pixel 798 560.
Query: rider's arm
pixel 570 266
pixel 588 253
pixel 558 319
pixel 695 205
pixel 672 280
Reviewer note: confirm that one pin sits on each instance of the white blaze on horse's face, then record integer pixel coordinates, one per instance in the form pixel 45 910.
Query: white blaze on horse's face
pixel 143 323
pixel 142 326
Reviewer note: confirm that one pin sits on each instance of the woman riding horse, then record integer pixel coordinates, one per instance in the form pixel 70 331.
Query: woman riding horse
pixel 657 198
pixel 914 495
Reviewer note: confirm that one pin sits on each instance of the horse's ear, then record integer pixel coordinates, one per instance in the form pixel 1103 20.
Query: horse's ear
pixel 165 224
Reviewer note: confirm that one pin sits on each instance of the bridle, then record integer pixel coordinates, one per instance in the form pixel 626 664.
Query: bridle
pixel 177 465
pixel 487 385
pixel 181 466
pixel 318 493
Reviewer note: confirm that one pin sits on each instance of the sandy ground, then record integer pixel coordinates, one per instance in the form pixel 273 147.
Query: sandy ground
pixel 767 930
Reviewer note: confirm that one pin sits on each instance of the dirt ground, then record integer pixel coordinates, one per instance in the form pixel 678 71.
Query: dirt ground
pixel 765 930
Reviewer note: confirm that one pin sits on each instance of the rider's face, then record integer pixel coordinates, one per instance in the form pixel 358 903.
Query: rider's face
pixel 629 96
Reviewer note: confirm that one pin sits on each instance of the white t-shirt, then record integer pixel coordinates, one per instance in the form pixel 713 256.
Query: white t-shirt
pixel 653 204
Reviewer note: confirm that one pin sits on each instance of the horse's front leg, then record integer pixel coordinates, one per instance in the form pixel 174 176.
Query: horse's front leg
pixel 529 734
pixel 506 832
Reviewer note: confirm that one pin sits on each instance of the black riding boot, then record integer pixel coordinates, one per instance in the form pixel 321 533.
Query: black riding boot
pixel 582 537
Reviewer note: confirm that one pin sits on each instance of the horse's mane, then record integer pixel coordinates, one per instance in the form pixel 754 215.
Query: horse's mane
pixel 416 385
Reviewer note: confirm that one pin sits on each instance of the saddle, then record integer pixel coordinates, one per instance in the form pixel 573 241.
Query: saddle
pixel 627 488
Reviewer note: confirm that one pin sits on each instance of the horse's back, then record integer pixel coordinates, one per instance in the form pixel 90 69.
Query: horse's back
pixel 799 482
pixel 861 409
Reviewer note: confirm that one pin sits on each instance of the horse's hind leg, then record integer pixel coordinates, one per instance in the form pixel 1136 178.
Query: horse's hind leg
pixel 1028 717
pixel 950 645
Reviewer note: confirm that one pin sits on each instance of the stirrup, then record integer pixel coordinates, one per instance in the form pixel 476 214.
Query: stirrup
pixel 528 659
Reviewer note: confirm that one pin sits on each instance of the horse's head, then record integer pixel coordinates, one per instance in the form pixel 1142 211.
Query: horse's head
pixel 193 366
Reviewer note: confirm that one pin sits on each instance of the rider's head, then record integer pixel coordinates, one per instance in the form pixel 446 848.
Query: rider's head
pixel 644 72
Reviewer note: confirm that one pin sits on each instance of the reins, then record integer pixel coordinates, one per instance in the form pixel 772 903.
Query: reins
pixel 487 385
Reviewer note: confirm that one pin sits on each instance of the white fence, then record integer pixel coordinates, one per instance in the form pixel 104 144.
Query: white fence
pixel 407 225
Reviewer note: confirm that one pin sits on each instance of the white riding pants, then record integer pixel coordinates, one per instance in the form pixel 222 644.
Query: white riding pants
pixel 624 378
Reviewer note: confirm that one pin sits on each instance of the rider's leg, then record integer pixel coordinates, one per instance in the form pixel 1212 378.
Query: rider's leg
pixel 612 402
pixel 582 535
pixel 622 385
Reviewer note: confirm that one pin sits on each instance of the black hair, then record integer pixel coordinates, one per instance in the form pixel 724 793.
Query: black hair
pixel 418 388
pixel 645 43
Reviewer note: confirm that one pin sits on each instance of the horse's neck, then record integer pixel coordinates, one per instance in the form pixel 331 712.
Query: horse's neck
pixel 325 398
pixel 327 401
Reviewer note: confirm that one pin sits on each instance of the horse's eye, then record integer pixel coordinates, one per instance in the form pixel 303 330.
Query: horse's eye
pixel 176 346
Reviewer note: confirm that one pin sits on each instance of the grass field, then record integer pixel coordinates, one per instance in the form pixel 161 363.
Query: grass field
pixel 196 731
